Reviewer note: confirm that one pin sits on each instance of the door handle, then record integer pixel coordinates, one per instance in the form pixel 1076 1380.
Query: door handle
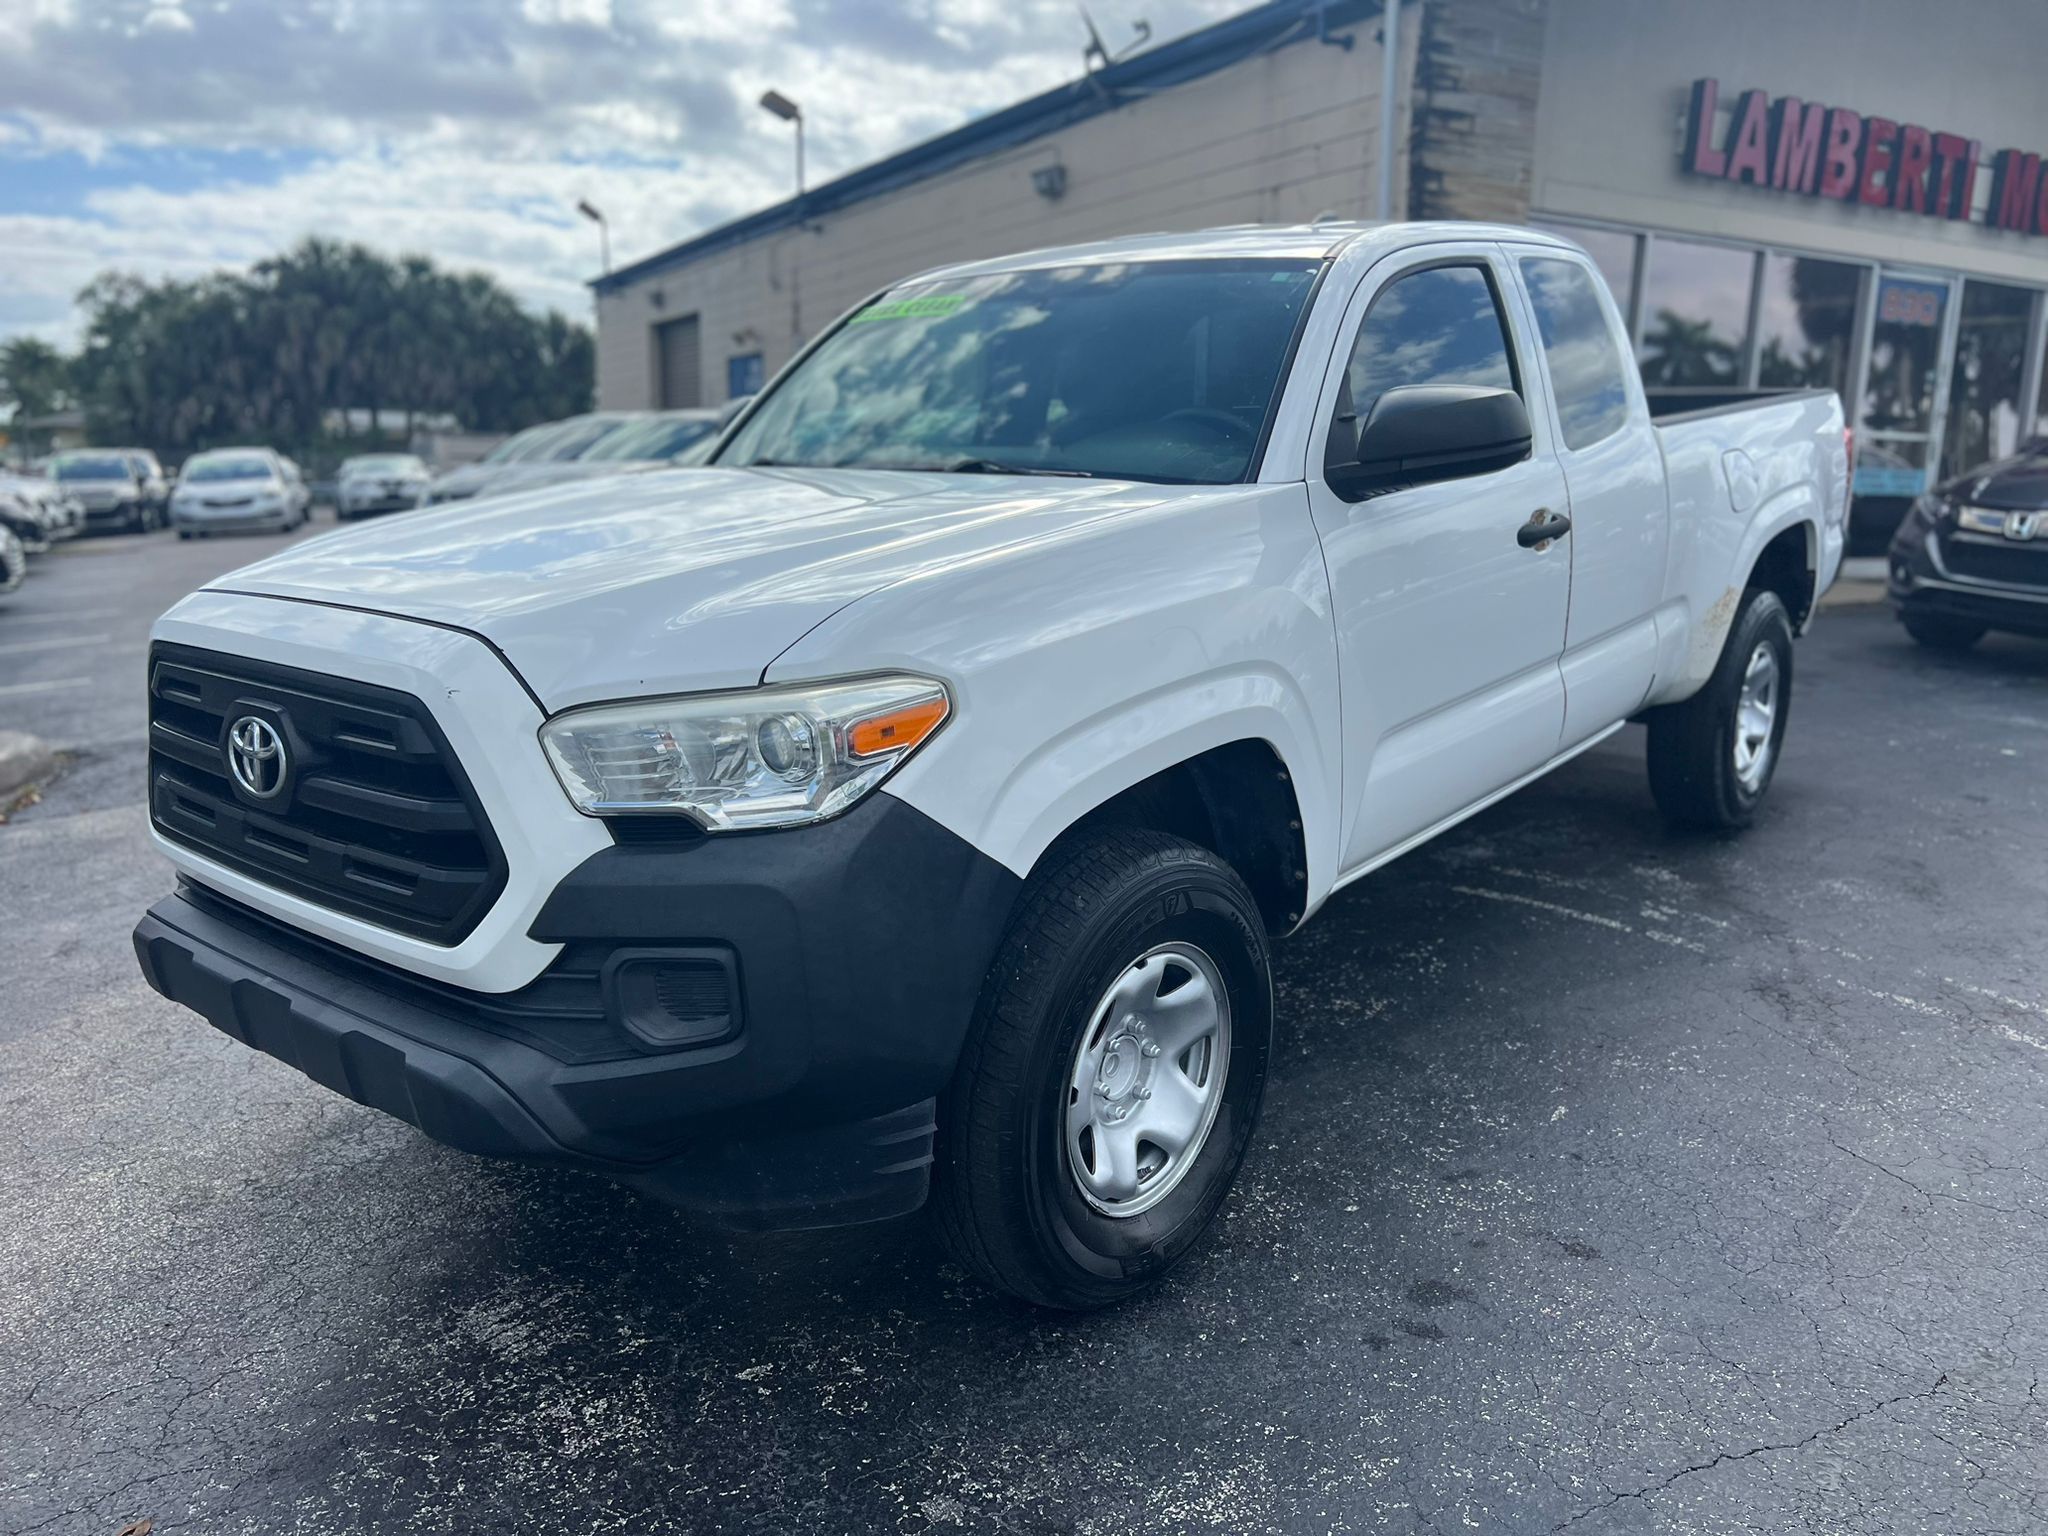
pixel 1543 526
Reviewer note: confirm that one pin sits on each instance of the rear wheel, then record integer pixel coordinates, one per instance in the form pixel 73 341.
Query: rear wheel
pixel 1939 633
pixel 1113 1074
pixel 1712 756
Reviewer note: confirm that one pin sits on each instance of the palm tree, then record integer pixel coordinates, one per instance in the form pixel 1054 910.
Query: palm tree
pixel 1678 352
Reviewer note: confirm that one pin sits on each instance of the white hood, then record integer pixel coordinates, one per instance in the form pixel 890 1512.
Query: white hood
pixel 678 580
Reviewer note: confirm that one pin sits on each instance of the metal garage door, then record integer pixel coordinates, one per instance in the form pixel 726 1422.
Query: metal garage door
pixel 677 381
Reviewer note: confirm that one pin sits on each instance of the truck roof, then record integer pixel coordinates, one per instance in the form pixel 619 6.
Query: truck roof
pixel 1317 241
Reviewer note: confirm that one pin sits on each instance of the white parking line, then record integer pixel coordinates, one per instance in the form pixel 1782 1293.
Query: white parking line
pixel 64 616
pixel 59 643
pixel 11 690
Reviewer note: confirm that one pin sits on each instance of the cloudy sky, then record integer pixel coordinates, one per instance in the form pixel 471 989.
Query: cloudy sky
pixel 175 136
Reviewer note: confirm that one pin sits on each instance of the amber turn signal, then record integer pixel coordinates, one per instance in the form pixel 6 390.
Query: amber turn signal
pixel 896 730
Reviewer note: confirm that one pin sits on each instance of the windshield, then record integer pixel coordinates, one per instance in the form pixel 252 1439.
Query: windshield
pixel 100 467
pixel 524 445
pixel 383 464
pixel 1160 370
pixel 236 467
pixel 662 439
pixel 583 434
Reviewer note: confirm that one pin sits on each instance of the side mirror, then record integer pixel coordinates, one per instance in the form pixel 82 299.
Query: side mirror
pixel 1424 432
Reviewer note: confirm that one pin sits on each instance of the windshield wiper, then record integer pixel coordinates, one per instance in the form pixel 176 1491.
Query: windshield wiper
pixel 974 466
pixel 962 466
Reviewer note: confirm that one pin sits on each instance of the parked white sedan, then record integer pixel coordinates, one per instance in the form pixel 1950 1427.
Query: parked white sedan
pixel 230 490
pixel 380 482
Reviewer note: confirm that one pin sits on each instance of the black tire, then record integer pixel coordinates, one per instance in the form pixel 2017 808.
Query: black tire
pixel 1693 775
pixel 1008 1206
pixel 184 533
pixel 1939 633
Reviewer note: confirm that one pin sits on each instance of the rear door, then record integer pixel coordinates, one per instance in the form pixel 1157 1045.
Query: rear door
pixel 1614 475
pixel 1449 630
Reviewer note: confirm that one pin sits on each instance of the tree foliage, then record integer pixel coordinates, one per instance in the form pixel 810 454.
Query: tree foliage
pixel 34 377
pixel 269 355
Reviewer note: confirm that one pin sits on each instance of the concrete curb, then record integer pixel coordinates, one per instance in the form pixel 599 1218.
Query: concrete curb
pixel 1850 594
pixel 23 760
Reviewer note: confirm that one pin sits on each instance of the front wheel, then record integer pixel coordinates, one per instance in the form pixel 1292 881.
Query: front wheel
pixel 1113 1073
pixel 1712 755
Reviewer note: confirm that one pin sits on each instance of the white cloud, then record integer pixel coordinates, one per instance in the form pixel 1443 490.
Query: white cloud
pixel 166 18
pixel 469 133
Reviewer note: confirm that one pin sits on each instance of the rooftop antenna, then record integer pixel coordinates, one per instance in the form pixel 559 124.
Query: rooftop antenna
pixel 1097 55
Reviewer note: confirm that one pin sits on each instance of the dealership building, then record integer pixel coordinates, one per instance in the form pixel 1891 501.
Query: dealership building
pixel 1845 193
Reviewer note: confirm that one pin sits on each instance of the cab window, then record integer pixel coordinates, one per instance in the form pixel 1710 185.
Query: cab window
pixel 1586 370
pixel 1441 325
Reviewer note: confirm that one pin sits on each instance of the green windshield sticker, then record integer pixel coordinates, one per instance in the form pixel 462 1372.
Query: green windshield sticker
pixel 931 306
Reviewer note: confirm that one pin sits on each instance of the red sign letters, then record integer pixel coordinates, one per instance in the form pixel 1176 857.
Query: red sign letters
pixel 1832 152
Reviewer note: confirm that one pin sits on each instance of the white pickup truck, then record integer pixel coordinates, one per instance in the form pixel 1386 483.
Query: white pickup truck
pixel 904 804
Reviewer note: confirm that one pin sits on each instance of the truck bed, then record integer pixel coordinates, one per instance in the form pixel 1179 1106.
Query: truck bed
pixel 1737 471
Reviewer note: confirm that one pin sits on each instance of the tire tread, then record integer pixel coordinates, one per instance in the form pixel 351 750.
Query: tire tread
pixel 1080 876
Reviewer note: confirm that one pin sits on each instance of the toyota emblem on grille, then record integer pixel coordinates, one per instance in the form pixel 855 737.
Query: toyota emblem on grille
pixel 256 756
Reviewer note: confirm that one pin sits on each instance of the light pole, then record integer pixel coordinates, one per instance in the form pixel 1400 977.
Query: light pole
pixel 782 107
pixel 604 233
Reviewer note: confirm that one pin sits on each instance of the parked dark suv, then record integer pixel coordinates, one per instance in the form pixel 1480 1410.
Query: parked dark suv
pixel 1972 554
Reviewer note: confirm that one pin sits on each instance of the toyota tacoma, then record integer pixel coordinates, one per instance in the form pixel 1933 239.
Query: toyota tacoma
pixel 903 805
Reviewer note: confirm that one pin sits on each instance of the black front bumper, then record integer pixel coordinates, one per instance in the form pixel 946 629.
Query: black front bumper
pixel 1973 579
pixel 859 947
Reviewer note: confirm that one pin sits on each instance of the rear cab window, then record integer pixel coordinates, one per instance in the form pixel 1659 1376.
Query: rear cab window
pixel 1588 375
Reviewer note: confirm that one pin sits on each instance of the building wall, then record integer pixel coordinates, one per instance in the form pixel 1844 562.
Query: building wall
pixel 1616 75
pixel 1472 134
pixel 1278 138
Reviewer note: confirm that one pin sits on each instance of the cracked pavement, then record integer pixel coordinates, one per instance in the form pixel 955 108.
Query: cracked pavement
pixel 1610 1181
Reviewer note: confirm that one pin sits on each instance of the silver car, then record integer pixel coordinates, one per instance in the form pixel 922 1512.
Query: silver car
pixel 380 482
pixel 38 511
pixel 109 485
pixel 532 452
pixel 235 490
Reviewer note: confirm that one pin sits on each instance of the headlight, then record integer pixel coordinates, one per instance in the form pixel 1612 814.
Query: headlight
pixel 766 757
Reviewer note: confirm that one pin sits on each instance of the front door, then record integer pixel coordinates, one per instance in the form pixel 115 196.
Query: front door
pixel 1900 435
pixel 1449 630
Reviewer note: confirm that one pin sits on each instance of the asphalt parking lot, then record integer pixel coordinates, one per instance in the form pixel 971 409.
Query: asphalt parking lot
pixel 1610 1181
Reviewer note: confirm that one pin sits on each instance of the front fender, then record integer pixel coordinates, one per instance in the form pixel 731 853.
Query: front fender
pixel 1086 662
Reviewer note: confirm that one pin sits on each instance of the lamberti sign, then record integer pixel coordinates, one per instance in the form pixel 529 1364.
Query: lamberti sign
pixel 1832 152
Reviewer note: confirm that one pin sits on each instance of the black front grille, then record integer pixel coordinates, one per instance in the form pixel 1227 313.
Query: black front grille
pixel 2014 561
pixel 376 818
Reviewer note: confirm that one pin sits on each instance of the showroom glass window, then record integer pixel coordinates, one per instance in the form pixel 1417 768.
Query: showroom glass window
pixel 1695 322
pixel 1806 322
pixel 2040 427
pixel 1587 372
pixel 1985 375
pixel 1441 325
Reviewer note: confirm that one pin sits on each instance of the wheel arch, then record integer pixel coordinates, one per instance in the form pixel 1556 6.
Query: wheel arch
pixel 1789 565
pixel 1238 800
